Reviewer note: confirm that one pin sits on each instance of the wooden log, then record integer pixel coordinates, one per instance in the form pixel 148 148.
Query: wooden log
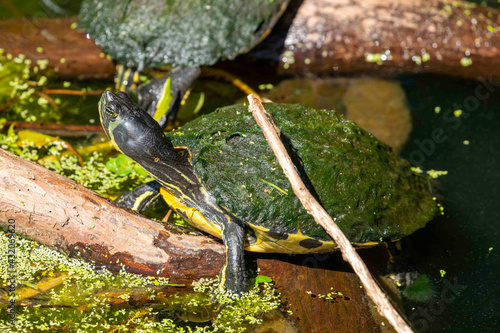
pixel 391 37
pixel 58 212
pixel 320 37
pixel 296 277
pixel 53 39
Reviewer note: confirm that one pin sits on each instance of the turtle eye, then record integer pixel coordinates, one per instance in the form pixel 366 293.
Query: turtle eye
pixel 111 112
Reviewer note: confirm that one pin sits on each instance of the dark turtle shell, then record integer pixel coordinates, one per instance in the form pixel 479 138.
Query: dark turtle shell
pixel 369 191
pixel 152 33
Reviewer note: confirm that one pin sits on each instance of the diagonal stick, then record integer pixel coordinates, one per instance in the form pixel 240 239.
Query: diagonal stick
pixel 384 306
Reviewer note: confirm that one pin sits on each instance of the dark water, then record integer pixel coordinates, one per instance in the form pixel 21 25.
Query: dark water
pixel 465 241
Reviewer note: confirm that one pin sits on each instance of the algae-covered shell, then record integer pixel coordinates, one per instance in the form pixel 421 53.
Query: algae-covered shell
pixel 369 191
pixel 151 33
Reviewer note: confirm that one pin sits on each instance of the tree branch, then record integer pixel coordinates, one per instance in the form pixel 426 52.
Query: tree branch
pixel 385 308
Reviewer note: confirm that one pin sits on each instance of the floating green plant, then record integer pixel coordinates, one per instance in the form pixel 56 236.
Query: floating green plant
pixel 104 175
pixel 63 294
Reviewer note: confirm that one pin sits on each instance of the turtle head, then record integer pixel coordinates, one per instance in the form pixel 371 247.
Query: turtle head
pixel 132 130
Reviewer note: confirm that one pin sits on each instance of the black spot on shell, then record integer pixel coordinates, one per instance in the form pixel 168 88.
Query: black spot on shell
pixel 310 243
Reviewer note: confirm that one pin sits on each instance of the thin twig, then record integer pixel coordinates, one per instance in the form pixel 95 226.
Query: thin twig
pixel 384 306
pixel 9 103
pixel 58 129
pixel 73 92
pixel 48 98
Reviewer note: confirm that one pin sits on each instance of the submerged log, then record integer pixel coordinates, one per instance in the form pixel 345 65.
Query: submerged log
pixel 316 36
pixel 303 279
pixel 60 213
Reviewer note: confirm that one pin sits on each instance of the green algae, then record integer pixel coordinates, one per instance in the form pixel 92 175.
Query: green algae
pixel 369 191
pixel 179 33
pixel 92 299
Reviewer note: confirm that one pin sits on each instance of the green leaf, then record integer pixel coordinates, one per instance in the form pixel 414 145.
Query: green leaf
pixel 263 279
pixel 121 165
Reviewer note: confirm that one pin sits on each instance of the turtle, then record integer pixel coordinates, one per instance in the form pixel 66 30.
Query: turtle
pixel 143 34
pixel 220 175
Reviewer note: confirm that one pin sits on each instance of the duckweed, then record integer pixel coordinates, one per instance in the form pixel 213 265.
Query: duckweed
pixel 106 176
pixel 92 299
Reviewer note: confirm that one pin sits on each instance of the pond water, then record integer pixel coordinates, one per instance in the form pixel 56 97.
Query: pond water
pixel 464 242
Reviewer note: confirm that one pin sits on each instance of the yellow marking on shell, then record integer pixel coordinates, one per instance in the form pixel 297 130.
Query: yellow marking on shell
pixel 365 245
pixel 265 242
pixel 183 149
pixel 140 199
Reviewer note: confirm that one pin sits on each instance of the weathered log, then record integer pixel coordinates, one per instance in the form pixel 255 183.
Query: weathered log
pixel 383 37
pixel 58 212
pixel 52 39
pixel 322 37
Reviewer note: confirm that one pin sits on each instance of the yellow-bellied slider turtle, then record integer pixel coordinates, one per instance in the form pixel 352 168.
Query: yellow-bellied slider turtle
pixel 187 33
pixel 231 186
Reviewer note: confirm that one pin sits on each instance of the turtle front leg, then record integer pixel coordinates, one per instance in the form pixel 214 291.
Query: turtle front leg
pixel 234 275
pixel 140 198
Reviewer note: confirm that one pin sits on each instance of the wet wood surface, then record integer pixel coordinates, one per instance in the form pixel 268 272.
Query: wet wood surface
pixel 60 213
pixel 315 37
pixel 302 279
pixel 68 50
pixel 391 37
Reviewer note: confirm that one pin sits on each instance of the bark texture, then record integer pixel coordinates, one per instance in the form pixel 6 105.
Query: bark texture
pixel 60 213
pixel 317 36
pixel 390 37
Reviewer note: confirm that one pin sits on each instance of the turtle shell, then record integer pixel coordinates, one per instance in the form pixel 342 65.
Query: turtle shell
pixel 152 33
pixel 369 191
